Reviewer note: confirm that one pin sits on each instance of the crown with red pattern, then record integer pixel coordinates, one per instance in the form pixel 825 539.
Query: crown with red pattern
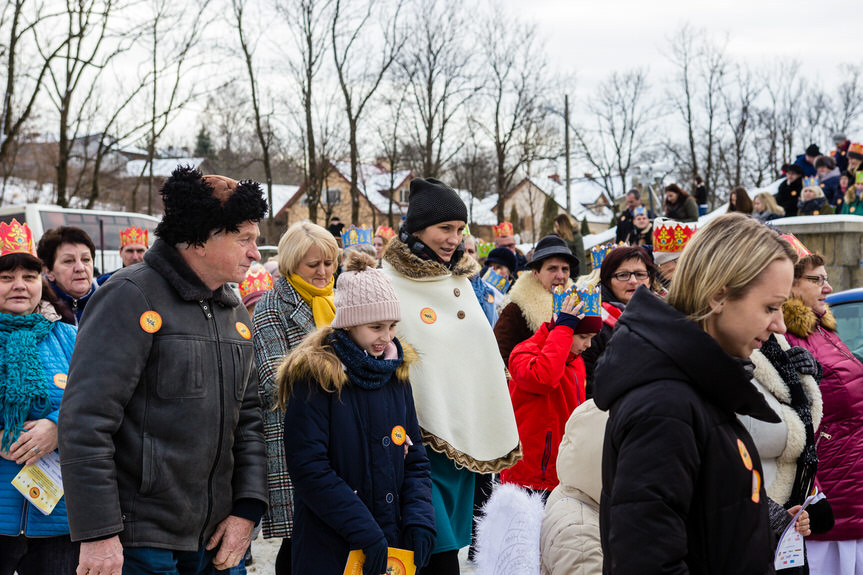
pixel 385 232
pixel 133 235
pixel 855 151
pixel 16 238
pixel 670 236
pixel 257 279
pixel 798 246
pixel 503 229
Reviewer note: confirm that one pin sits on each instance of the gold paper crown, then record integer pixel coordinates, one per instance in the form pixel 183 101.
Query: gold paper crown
pixel 385 232
pixel 798 246
pixel 483 249
pixel 16 238
pixel 670 236
pixel 504 229
pixel 257 279
pixel 856 150
pixel 354 236
pixel 133 235
pixel 810 182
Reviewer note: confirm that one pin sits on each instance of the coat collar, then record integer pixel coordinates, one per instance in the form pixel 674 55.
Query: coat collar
pixel 802 321
pixel 166 260
pixel 399 256
pixel 532 299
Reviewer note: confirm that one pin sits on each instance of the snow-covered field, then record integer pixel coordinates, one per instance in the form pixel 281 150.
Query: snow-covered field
pixel 265 551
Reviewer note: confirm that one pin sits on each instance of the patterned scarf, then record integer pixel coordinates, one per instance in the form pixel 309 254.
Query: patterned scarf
pixel 23 384
pixel 319 299
pixel 807 463
pixel 364 370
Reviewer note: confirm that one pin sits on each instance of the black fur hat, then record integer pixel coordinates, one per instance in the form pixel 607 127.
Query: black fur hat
pixel 197 206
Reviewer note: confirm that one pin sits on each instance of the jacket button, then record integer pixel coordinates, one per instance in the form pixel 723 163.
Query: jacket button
pixel 457 292
pixel 460 314
pixel 386 441
pixel 389 497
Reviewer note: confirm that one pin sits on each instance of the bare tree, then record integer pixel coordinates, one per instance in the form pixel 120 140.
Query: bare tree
pixel 683 93
pixel 437 65
pixel 848 105
pixel 358 72
pixel 388 134
pixel 512 93
pixel 310 40
pixel 262 123
pixel 621 134
pixel 739 117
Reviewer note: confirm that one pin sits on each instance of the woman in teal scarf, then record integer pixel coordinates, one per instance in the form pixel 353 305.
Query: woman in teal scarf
pixel 35 349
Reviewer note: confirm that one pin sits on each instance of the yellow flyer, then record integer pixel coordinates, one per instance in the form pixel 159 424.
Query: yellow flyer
pixel 41 483
pixel 399 562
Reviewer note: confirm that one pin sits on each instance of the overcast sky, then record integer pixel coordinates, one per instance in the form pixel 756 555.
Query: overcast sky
pixel 593 37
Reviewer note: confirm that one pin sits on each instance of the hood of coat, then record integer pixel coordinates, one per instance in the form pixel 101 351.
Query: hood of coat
pixel 166 260
pixel 399 255
pixel 802 321
pixel 314 359
pixel 532 299
pixel 579 459
pixel 654 342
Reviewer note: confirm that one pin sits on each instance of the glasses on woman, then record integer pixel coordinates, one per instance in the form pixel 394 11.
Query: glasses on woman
pixel 624 276
pixel 819 280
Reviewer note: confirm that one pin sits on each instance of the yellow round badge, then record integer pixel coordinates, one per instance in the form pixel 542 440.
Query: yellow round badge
pixel 756 486
pixel 489 298
pixel 744 455
pixel 34 492
pixel 399 435
pixel 243 330
pixel 428 315
pixel 60 380
pixel 151 322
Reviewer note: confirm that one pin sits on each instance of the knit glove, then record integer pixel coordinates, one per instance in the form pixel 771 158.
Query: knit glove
pixel 376 557
pixel 820 516
pixel 804 362
pixel 421 541
pixel 567 320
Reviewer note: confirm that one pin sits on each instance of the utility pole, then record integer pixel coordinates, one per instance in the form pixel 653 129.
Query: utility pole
pixel 566 140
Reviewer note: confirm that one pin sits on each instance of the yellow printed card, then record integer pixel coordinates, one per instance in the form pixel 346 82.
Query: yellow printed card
pixel 41 483
pixel 399 562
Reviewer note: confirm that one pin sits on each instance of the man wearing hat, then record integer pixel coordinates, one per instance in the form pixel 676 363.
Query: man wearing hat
pixel 789 191
pixel 530 299
pixel 840 154
pixel 164 463
pixel 133 246
pixel 807 160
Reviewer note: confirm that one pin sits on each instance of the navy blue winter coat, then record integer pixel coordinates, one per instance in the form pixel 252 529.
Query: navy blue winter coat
pixel 353 480
pixel 808 169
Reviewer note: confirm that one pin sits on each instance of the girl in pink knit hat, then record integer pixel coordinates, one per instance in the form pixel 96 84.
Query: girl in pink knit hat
pixel 352 440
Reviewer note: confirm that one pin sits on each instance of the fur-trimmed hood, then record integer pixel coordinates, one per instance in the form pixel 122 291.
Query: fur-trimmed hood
pixel 532 299
pixel 316 360
pixel 802 321
pixel 399 255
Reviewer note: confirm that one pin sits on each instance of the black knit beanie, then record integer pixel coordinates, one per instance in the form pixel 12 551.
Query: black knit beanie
pixel 432 202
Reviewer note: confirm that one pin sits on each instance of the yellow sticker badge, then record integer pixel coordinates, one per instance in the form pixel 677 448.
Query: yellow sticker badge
pixel 756 486
pixel 151 322
pixel 428 315
pixel 243 330
pixel 744 455
pixel 399 435
pixel 60 380
pixel 34 492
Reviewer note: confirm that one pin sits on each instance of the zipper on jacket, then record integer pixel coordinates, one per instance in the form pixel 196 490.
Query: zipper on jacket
pixel 839 349
pixel 825 435
pixel 212 315
pixel 24 517
pixel 546 454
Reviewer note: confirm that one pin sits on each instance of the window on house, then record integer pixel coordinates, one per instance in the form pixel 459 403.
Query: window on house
pixel 334 196
pixel 403 195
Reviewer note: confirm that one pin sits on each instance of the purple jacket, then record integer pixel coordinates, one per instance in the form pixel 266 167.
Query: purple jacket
pixel 840 436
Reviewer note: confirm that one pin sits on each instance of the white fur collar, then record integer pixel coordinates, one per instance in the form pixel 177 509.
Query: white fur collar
pixel 532 299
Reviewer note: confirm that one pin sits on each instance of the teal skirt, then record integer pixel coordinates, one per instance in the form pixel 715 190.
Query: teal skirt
pixel 452 497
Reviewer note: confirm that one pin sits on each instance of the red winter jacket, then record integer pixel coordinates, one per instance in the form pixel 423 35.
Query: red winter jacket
pixel 547 385
pixel 840 436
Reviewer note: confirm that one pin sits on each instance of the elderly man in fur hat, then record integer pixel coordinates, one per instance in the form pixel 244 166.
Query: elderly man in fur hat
pixel 164 463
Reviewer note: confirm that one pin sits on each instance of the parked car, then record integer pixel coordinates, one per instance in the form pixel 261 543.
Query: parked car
pixel 847 306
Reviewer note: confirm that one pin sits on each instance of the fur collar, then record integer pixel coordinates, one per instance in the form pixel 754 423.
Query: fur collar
pixel 532 299
pixel 166 260
pixel 399 255
pixel 802 321
pixel 314 359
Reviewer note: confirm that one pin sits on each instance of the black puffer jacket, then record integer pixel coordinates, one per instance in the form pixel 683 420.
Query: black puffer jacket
pixel 160 431
pixel 599 342
pixel 681 487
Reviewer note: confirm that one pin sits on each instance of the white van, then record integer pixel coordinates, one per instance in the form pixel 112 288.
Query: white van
pixel 103 227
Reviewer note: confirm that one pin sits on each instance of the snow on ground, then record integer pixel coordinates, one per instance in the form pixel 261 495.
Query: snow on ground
pixel 265 551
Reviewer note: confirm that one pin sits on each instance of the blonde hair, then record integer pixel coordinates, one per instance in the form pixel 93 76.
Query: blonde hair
pixel 768 202
pixel 817 192
pixel 729 253
pixel 298 240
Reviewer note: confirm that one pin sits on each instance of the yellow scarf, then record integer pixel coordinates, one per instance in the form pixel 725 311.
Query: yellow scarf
pixel 319 299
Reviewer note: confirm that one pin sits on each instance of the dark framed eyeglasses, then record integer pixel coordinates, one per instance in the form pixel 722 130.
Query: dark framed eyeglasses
pixel 624 276
pixel 819 280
